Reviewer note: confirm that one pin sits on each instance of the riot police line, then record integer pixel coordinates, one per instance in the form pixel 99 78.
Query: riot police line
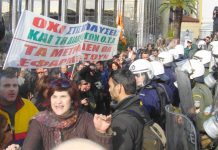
pixel 190 102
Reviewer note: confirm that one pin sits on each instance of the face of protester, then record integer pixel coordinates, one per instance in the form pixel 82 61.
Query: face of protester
pixel 80 67
pixel 99 67
pixel 207 40
pixel 63 69
pixel 113 89
pixel 8 89
pixel 155 53
pixel 133 57
pixel 60 102
pixel 129 49
pixel 145 56
pixel 149 47
pixel 88 87
pixel 84 86
pixel 114 67
pixel 40 73
pixel 189 44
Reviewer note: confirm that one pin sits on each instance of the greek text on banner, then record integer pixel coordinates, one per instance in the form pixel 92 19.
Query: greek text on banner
pixel 40 41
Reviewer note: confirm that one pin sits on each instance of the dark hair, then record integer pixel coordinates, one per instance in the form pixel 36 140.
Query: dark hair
pixel 152 45
pixel 130 47
pixel 125 77
pixel 155 49
pixel 114 62
pixel 43 84
pixel 145 52
pixel 100 62
pixel 8 73
pixel 62 84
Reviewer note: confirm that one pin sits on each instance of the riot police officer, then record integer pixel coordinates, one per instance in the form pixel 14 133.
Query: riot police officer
pixel 148 89
pixel 201 94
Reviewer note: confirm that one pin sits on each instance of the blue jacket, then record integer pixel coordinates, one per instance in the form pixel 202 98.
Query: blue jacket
pixel 150 99
pixel 171 74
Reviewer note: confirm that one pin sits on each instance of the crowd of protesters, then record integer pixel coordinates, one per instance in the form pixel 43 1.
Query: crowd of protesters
pixel 41 108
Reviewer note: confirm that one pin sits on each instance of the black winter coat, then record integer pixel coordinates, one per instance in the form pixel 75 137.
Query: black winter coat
pixel 128 129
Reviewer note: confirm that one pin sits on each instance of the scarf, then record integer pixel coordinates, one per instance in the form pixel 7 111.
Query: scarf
pixel 51 120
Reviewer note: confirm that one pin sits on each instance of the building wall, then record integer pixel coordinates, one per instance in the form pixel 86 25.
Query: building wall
pixel 192 27
pixel 207 17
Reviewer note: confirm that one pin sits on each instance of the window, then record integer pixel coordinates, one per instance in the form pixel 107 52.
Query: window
pixel 72 11
pixel 129 9
pixel 6 14
pixel 108 14
pixel 6 41
pixel 37 7
pixel 54 9
pixel 90 10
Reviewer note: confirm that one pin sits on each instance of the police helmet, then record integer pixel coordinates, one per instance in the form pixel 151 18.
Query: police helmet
pixel 204 56
pixel 201 44
pixel 194 68
pixel 165 57
pixel 158 68
pixel 142 66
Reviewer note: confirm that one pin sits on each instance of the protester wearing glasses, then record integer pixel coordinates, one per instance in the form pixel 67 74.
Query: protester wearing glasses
pixel 34 81
pixel 64 121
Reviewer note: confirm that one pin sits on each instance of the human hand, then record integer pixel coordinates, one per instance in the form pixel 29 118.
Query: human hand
pixel 84 102
pixel 13 147
pixel 102 122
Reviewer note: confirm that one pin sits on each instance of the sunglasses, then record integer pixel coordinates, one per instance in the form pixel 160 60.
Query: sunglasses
pixel 61 83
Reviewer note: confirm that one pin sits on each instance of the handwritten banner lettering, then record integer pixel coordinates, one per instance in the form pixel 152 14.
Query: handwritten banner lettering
pixel 40 41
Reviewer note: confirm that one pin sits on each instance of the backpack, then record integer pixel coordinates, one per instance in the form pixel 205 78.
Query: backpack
pixel 163 100
pixel 153 135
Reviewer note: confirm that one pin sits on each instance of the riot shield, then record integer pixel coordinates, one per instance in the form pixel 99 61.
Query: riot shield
pixel 215 100
pixel 180 131
pixel 185 93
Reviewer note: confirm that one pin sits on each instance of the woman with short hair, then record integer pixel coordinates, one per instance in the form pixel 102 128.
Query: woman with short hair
pixel 63 121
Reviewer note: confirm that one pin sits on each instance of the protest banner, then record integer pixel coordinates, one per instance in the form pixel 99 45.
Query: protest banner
pixel 40 41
